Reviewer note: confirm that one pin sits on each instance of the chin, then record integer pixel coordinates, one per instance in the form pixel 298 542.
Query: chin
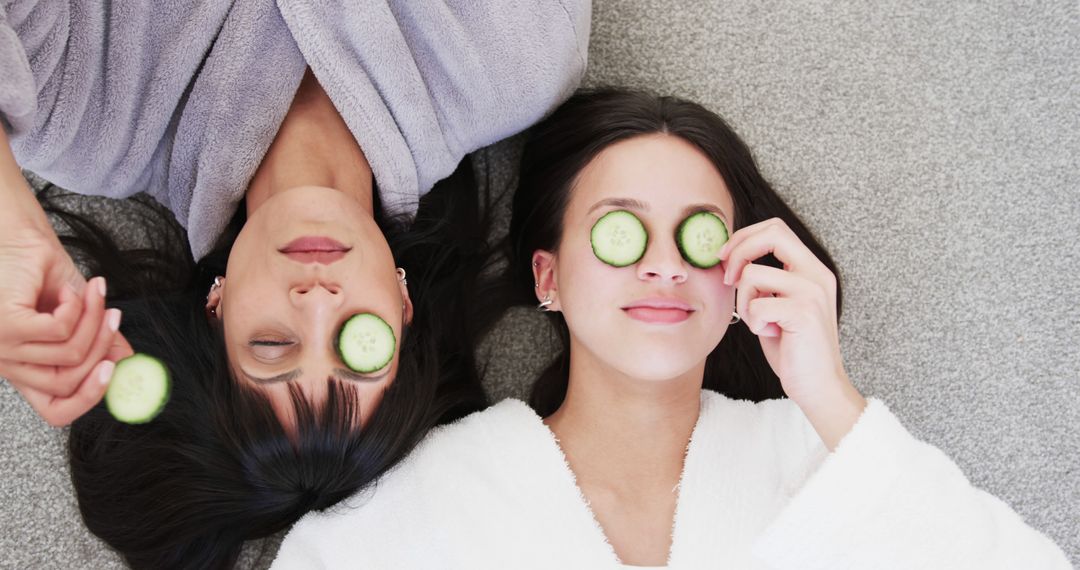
pixel 656 366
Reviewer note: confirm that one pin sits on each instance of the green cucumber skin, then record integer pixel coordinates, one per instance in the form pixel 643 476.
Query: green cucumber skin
pixel 681 241
pixel 148 417
pixel 607 258
pixel 355 367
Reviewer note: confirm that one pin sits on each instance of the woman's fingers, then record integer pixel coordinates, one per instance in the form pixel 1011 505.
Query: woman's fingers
pixel 62 382
pixel 775 237
pixel 763 281
pixel 120 349
pixel 767 315
pixel 62 411
pixel 74 349
pixel 23 322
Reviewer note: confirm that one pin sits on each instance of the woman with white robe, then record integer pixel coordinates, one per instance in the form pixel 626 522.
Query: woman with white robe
pixel 622 459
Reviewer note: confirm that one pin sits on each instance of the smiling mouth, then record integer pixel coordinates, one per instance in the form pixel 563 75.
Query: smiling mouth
pixel 315 250
pixel 323 257
pixel 659 311
pixel 658 315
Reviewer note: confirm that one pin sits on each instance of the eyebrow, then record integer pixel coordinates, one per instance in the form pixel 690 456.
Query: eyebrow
pixel 638 205
pixel 294 374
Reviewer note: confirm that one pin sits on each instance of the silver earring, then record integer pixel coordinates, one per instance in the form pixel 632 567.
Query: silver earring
pixel 401 276
pixel 217 283
pixel 735 318
pixel 543 306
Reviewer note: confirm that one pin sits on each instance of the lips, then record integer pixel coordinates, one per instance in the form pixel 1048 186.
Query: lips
pixel 315 250
pixel 659 310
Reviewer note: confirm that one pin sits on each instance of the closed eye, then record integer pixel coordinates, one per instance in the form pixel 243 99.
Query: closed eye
pixel 270 350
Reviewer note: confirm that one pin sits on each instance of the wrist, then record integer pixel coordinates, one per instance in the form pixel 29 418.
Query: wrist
pixel 834 411
pixel 18 205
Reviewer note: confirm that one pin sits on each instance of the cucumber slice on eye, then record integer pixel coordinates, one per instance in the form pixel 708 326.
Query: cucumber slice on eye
pixel 366 343
pixel 619 238
pixel 138 390
pixel 700 237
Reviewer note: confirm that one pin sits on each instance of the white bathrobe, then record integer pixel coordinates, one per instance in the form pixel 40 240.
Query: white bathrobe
pixel 758 490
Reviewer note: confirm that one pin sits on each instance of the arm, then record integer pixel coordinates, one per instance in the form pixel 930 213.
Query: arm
pixel 58 344
pixel 884 499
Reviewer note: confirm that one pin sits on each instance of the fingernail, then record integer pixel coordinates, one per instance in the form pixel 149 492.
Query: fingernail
pixel 106 372
pixel 114 319
pixel 101 285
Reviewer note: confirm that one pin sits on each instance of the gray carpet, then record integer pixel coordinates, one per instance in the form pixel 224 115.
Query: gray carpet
pixel 934 147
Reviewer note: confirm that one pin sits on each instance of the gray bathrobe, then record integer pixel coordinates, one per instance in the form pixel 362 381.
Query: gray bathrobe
pixel 182 99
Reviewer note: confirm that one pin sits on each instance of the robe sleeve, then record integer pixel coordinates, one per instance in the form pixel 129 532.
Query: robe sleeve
pixel 17 92
pixel 884 499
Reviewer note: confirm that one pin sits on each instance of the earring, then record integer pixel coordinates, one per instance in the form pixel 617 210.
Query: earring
pixel 543 306
pixel 735 318
pixel 217 283
pixel 401 276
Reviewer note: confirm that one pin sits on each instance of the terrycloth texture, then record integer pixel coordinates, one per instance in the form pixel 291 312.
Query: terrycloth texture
pixel 183 99
pixel 758 491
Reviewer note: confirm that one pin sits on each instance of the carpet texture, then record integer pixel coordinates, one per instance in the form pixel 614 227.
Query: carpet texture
pixel 932 146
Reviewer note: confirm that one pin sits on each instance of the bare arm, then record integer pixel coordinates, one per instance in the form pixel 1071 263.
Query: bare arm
pixel 59 343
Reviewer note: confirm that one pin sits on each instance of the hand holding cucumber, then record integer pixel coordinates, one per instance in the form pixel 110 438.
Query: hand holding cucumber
pixel 793 312
pixel 57 341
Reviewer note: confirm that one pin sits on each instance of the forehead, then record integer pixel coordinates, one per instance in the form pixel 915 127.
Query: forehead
pixel 661 170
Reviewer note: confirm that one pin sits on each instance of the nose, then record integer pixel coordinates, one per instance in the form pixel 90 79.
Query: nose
pixel 328 295
pixel 662 263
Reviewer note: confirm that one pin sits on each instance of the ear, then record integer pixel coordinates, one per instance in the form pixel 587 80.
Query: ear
pixel 406 302
pixel 213 301
pixel 546 277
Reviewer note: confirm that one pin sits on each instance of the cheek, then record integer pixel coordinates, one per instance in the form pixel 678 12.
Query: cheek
pixel 243 300
pixel 717 302
pixel 587 286
pixel 591 295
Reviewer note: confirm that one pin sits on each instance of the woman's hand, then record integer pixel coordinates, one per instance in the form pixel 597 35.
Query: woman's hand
pixel 793 312
pixel 58 343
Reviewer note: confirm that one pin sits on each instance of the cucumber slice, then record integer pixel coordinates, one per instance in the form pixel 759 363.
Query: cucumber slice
pixel 366 343
pixel 619 238
pixel 138 390
pixel 700 237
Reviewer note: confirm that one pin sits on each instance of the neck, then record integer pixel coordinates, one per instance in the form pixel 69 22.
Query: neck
pixel 615 423
pixel 313 147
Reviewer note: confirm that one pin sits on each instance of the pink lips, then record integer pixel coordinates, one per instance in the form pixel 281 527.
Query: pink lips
pixel 315 250
pixel 659 310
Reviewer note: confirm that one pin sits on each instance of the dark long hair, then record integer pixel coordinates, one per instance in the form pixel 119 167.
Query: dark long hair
pixel 217 468
pixel 562 145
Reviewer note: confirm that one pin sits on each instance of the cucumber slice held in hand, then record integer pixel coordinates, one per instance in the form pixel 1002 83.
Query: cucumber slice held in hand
pixel 138 390
pixel 700 237
pixel 366 343
pixel 619 238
